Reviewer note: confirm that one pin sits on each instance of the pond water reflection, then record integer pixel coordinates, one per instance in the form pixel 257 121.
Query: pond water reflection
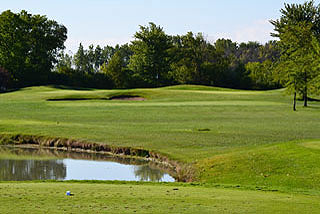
pixel 18 164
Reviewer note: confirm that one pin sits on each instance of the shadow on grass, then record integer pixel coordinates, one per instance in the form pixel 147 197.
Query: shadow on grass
pixel 310 99
pixel 75 99
pixel 314 107
pixel 71 88
pixel 121 97
pixel 10 90
pixel 313 100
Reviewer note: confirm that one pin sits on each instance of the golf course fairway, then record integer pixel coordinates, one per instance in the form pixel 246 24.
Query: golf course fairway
pixel 245 151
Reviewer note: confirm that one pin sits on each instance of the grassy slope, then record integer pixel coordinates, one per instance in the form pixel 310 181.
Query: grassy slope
pixel 147 198
pixel 168 121
pixel 246 144
pixel 289 166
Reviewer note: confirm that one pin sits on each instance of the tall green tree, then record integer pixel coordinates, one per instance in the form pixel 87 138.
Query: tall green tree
pixel 292 14
pixel 299 64
pixel 235 57
pixel 298 25
pixel 195 60
pixel 81 60
pixel 98 60
pixel 29 45
pixel 226 47
pixel 107 53
pixel 199 52
pixel 116 70
pixel 249 52
pixel 91 59
pixel 64 63
pixel 150 60
pixel 125 52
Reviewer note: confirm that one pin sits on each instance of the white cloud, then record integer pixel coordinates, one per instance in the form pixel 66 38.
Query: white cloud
pixel 258 31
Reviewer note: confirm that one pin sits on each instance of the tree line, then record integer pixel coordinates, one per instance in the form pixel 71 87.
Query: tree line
pixel 156 59
pixel 32 53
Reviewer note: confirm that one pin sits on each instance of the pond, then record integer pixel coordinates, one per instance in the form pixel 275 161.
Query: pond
pixel 21 164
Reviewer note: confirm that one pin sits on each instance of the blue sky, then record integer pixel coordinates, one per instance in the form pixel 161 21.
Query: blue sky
pixel 115 21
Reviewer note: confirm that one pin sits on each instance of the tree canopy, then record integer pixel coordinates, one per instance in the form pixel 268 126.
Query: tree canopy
pixel 150 59
pixel 29 45
pixel 298 30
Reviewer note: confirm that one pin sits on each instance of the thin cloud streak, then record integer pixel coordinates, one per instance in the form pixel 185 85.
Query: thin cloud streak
pixel 258 31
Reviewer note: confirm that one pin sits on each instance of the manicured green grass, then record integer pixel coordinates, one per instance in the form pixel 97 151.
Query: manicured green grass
pixel 250 138
pixel 168 121
pixel 287 166
pixel 147 198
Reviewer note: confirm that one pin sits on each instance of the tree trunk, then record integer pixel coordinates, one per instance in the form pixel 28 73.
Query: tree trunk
pixel 305 90
pixel 295 101
pixel 305 97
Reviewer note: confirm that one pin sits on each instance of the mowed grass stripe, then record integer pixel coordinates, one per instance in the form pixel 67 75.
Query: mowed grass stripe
pixel 130 198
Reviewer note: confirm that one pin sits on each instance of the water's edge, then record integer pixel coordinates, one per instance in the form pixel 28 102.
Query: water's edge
pixel 180 171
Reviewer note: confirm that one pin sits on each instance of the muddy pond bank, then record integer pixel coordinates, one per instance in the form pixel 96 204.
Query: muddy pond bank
pixel 181 172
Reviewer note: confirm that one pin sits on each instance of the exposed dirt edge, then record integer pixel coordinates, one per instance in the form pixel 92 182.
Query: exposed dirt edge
pixel 182 172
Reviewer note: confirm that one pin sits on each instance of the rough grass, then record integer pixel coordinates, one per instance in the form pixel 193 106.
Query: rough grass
pixel 245 139
pixel 147 198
